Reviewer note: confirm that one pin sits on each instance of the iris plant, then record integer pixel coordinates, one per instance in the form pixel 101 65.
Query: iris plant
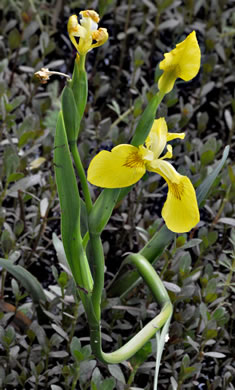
pixel 83 223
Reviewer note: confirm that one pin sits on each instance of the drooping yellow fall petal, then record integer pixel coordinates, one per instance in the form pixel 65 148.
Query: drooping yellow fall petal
pixel 183 62
pixel 180 211
pixel 121 167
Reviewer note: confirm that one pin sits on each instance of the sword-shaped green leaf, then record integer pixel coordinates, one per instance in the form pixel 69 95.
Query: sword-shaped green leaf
pixel 28 281
pixel 70 209
pixel 205 186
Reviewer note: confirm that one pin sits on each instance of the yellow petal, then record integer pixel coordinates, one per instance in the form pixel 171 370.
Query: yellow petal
pixel 180 210
pixel 171 136
pixel 75 30
pixel 167 81
pixel 157 138
pixel 121 167
pixel 168 154
pixel 89 13
pixel 86 31
pixel 189 57
pixel 72 25
pixel 101 36
pixel 183 61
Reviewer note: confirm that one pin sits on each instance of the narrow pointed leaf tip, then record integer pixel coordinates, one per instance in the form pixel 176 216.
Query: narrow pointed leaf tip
pixel 126 164
pixel 182 62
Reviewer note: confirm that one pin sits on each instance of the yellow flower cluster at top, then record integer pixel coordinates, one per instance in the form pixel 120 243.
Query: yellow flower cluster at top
pixel 87 31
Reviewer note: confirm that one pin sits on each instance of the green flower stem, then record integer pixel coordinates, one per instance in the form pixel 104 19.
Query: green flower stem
pixel 146 121
pixel 98 264
pixel 79 85
pixel 81 62
pixel 85 240
pixel 82 176
pixel 102 210
pixel 150 276
pixel 132 346
pixel 124 282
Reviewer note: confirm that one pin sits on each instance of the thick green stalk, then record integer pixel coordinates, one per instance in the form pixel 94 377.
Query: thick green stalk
pixel 98 272
pixel 79 85
pixel 150 276
pixel 131 347
pixel 102 210
pixel 124 282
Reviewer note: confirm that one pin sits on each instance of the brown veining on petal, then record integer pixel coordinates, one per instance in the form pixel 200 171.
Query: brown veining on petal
pixel 134 160
pixel 177 190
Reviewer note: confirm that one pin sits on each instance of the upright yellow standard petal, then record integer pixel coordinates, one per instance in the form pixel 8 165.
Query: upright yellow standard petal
pixel 180 211
pixel 121 167
pixel 157 138
pixel 183 62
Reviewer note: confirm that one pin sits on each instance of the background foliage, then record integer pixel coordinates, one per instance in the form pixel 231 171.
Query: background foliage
pixel 46 346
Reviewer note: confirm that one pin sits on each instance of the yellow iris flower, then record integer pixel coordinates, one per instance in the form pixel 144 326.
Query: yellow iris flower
pixel 126 164
pixel 87 31
pixel 183 62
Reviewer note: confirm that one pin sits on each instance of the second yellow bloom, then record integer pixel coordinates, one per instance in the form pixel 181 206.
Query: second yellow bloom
pixel 126 164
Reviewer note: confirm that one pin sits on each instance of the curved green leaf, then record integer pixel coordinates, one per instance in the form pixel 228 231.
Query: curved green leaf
pixel 205 186
pixel 28 281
